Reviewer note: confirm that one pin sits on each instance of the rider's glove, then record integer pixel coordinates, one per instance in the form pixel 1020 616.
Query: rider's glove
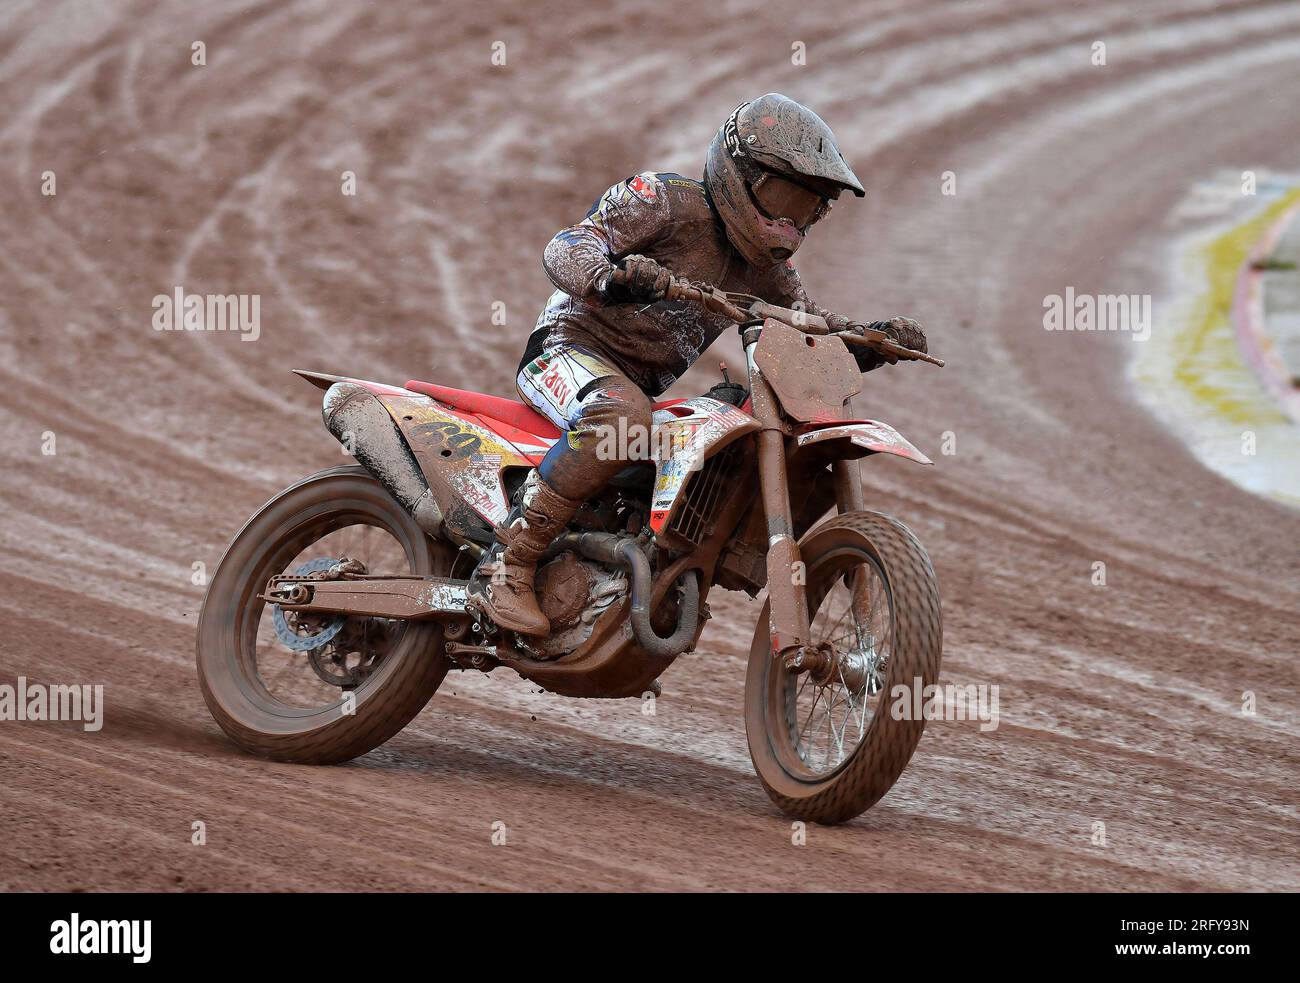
pixel 645 281
pixel 902 330
pixel 905 331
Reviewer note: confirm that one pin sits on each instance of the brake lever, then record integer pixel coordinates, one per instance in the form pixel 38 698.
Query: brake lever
pixel 878 341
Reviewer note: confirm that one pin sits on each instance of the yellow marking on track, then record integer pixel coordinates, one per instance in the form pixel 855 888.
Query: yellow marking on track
pixel 1195 376
pixel 1207 362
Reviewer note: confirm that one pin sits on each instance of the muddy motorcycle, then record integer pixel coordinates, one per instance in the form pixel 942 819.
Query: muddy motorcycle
pixel 339 608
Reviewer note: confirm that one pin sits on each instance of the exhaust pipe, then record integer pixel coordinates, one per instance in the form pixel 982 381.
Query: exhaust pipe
pixel 604 547
pixel 359 421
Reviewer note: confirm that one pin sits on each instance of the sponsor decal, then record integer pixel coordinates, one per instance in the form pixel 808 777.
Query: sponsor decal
pixel 450 437
pixel 534 450
pixel 643 189
pixel 731 133
pixel 595 366
pixel 554 382
pixel 481 489
pixel 563 373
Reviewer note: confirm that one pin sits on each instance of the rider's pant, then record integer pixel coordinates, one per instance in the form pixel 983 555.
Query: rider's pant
pixel 607 418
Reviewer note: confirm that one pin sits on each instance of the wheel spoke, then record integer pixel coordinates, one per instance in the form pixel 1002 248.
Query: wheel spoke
pixel 811 711
pixel 298 682
pixel 851 621
pixel 848 606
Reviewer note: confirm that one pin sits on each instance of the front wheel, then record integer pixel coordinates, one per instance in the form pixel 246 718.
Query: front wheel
pixel 826 743
pixel 318 689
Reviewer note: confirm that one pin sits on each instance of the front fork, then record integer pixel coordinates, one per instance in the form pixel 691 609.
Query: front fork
pixel 786 573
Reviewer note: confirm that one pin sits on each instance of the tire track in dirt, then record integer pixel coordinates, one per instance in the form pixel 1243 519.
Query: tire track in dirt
pixel 1118 706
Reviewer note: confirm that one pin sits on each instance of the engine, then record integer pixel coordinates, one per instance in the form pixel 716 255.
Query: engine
pixel 573 593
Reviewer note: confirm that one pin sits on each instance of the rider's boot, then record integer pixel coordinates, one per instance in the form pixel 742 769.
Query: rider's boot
pixel 509 599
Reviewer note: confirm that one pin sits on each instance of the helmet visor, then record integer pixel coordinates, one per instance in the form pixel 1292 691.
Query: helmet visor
pixel 779 198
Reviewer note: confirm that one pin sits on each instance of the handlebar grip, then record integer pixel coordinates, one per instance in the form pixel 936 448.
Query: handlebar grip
pixel 681 290
pixel 678 289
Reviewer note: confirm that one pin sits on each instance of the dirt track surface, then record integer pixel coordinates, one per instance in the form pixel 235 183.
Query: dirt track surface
pixel 1118 705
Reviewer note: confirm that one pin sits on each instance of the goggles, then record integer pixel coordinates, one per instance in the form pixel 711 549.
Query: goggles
pixel 780 198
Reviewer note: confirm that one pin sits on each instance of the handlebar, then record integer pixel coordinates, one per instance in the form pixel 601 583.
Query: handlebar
pixel 729 305
pixel 710 298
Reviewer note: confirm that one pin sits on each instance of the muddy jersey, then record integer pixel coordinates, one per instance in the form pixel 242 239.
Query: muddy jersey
pixel 668 218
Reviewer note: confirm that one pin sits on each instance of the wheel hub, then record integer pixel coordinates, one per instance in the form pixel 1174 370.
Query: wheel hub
pixel 354 654
pixel 858 669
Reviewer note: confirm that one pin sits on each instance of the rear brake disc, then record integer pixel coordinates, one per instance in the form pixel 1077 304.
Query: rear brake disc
pixel 288 635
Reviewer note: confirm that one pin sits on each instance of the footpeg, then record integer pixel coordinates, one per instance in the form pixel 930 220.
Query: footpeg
pixel 480 657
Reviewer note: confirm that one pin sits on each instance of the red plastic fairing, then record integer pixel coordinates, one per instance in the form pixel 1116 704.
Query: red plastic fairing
pixel 509 411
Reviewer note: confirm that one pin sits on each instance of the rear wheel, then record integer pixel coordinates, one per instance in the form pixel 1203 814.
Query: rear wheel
pixel 318 690
pixel 823 741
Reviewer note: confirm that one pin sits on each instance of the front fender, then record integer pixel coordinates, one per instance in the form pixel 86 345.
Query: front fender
pixel 871 435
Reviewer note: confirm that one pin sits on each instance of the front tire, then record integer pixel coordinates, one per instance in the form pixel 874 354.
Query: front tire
pixel 889 634
pixel 238 656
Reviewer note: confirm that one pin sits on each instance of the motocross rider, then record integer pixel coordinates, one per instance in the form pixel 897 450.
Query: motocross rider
pixel 601 351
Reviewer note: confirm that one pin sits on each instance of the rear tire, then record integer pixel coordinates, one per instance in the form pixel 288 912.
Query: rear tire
pixel 402 681
pixel 849 550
